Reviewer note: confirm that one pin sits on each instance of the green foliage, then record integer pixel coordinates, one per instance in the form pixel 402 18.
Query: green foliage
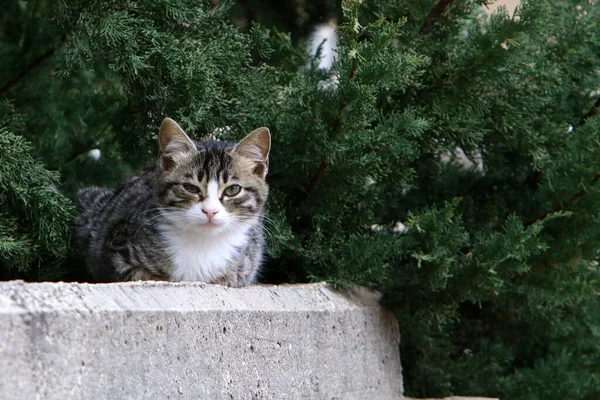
pixel 495 279
pixel 174 58
pixel 34 219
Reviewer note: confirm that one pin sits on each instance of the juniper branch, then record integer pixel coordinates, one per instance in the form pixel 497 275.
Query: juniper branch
pixel 336 127
pixel 592 112
pixel 316 178
pixel 433 16
pixel 563 205
pixel 30 67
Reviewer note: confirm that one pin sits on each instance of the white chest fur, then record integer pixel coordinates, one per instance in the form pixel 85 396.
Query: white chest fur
pixel 199 256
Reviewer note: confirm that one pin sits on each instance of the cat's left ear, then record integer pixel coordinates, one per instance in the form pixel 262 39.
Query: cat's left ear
pixel 173 141
pixel 256 147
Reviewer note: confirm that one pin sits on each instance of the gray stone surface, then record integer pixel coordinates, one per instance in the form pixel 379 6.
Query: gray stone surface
pixel 194 341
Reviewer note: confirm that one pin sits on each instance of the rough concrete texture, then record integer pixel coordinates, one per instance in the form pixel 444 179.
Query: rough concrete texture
pixel 194 341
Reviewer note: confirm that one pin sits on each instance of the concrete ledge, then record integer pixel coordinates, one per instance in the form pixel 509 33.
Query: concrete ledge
pixel 195 341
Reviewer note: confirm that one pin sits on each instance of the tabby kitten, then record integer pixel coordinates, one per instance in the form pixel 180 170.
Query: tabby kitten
pixel 196 216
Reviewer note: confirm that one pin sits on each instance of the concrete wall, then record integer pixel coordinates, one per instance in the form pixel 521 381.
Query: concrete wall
pixel 194 341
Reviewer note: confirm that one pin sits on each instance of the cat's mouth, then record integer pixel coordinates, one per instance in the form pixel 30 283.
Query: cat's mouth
pixel 212 223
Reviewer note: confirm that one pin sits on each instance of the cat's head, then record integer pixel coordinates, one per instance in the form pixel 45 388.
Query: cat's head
pixel 212 186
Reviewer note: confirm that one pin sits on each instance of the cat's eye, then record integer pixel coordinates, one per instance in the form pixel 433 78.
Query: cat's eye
pixel 191 188
pixel 232 190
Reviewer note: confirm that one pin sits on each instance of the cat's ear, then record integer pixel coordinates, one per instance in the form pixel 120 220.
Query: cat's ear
pixel 173 140
pixel 255 147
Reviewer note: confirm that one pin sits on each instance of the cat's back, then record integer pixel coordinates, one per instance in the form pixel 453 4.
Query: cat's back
pixel 98 209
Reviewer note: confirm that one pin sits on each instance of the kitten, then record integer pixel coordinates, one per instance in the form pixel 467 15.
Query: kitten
pixel 196 216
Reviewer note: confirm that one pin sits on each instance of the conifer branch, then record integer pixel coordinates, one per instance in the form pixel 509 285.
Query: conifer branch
pixel 33 65
pixel 563 205
pixel 336 126
pixel 433 16
pixel 215 6
pixel 593 111
pixel 316 178
pixel 560 207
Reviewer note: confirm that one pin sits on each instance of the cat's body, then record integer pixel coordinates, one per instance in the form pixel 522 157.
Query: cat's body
pixel 196 216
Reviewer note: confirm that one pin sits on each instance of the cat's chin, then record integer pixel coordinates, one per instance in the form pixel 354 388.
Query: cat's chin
pixel 209 227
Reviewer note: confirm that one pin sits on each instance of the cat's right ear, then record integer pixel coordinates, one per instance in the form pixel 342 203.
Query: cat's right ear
pixel 173 141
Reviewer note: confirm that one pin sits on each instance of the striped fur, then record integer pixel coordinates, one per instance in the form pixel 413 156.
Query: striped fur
pixel 196 216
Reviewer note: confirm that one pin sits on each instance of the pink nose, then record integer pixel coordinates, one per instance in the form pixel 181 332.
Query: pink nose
pixel 210 213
